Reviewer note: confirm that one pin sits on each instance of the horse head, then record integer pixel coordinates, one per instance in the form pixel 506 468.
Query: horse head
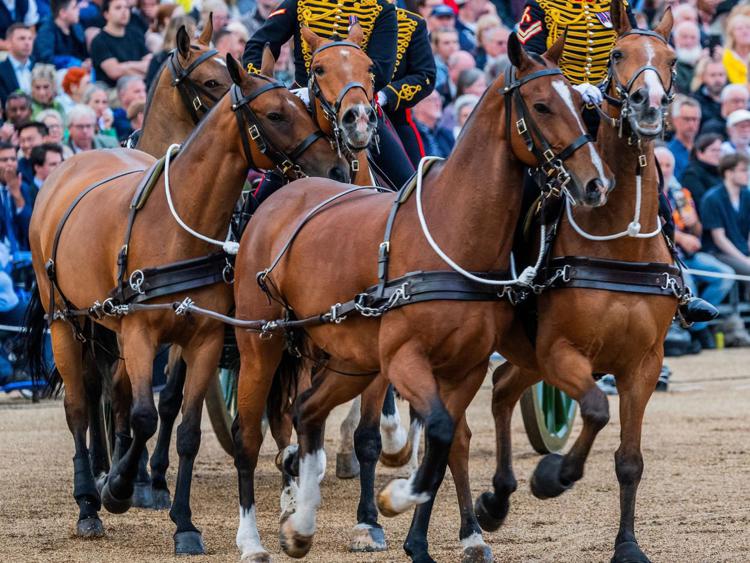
pixel 641 71
pixel 342 88
pixel 276 129
pixel 545 127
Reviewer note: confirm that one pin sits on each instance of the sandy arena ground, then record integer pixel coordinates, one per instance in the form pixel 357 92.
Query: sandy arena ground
pixel 694 500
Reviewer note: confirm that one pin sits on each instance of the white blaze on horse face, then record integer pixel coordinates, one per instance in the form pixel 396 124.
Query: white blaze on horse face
pixel 656 91
pixel 248 539
pixel 564 91
pixel 308 497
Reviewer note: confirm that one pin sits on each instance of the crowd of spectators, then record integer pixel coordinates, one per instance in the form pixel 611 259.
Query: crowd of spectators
pixel 74 76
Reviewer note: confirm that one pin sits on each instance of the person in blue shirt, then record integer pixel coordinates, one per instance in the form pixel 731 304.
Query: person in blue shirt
pixel 15 202
pixel 60 40
pixel 438 141
pixel 725 212
pixel 686 118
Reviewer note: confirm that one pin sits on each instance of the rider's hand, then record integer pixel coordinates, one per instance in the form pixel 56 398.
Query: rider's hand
pixel 590 93
pixel 303 94
pixel 382 99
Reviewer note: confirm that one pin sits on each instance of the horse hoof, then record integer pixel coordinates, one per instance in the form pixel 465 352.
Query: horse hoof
pixel 142 496
pixel 397 459
pixel 293 543
pixel 422 558
pixel 90 528
pixel 259 557
pixel 545 481
pixel 347 465
pixel 490 512
pixel 367 538
pixel 629 552
pixel 161 499
pixel 477 554
pixel 396 497
pixel 112 503
pixel 189 543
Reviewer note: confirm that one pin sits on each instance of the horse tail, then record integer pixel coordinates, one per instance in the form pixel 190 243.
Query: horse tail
pixel 33 337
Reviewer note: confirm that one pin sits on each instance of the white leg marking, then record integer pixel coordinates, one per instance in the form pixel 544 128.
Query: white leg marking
pixel 415 435
pixel 392 434
pixel 349 425
pixel 248 539
pixel 474 540
pixel 308 497
pixel 402 495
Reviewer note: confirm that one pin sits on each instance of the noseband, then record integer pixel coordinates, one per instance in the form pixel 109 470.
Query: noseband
pixel 189 90
pixel 251 128
pixel 552 174
pixel 623 100
pixel 331 112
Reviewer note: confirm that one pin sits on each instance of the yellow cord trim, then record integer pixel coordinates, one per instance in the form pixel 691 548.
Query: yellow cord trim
pixel 406 27
pixel 406 92
pixel 252 69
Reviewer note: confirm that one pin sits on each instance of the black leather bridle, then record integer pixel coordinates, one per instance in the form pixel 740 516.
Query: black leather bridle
pixel 251 129
pixel 331 112
pixel 552 175
pixel 622 91
pixel 190 90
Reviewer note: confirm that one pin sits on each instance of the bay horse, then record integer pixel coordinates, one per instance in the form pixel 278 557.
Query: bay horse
pixel 435 353
pixel 616 328
pixel 77 232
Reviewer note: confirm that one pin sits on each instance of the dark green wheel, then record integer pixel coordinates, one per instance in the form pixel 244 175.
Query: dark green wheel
pixel 548 416
pixel 221 403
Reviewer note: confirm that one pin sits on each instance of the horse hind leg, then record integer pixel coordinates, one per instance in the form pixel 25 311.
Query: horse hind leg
pixel 68 353
pixel 509 383
pixel 634 395
pixel 170 401
pixel 571 372
pixel 397 449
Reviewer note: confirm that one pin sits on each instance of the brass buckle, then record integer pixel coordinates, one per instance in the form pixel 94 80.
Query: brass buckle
pixel 286 166
pixel 549 155
pixel 521 126
pixel 254 133
pixel 642 162
pixel 355 165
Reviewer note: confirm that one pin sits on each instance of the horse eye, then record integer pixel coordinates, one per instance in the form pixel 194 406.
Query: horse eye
pixel 319 70
pixel 273 116
pixel 211 84
pixel 673 62
pixel 542 108
pixel 616 55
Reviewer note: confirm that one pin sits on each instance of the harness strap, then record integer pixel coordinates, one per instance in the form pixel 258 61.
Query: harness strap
pixel 190 90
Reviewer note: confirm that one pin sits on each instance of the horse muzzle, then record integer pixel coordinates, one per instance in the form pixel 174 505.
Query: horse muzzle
pixel 358 124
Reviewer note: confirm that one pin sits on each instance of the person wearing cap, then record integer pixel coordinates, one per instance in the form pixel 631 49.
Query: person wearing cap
pixel 331 19
pixel 413 80
pixel 441 17
pixel 738 131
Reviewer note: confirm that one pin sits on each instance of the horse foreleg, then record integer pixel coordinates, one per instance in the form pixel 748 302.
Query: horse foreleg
pixel 570 371
pixel 368 535
pixel 397 450
pixel 133 379
pixel 201 361
pixel 509 383
pixel 259 360
pixel 98 440
pixel 68 354
pixel 347 465
pixel 635 391
pixel 328 391
pixel 170 401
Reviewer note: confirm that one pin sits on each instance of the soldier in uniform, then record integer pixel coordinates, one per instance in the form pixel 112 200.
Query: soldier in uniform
pixel 330 19
pixel 413 79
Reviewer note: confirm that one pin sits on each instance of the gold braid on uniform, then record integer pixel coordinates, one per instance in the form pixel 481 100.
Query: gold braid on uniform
pixel 588 43
pixel 406 27
pixel 252 69
pixel 327 18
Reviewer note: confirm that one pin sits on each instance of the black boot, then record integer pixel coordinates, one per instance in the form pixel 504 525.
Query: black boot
pixel 697 310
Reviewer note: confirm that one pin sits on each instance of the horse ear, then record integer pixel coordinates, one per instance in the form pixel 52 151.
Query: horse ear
pixel 665 25
pixel 268 62
pixel 183 42
pixel 517 54
pixel 310 38
pixel 208 31
pixel 619 16
pixel 356 34
pixel 235 72
pixel 556 50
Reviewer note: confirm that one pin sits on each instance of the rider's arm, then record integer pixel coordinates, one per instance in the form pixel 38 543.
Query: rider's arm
pixel 420 68
pixel 381 47
pixel 532 29
pixel 277 30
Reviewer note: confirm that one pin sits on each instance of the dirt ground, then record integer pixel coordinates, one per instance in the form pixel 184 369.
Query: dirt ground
pixel 694 500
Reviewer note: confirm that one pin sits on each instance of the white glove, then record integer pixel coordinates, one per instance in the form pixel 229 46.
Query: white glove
pixel 303 94
pixel 382 99
pixel 590 93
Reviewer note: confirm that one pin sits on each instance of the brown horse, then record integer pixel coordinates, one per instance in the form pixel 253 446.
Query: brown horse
pixel 77 233
pixel 583 331
pixel 434 353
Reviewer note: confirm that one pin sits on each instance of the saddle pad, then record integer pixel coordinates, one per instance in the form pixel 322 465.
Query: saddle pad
pixel 147 183
pixel 411 183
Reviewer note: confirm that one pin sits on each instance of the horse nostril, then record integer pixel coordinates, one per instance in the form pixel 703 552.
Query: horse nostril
pixel 372 117
pixel 349 117
pixel 639 96
pixel 594 186
pixel 665 100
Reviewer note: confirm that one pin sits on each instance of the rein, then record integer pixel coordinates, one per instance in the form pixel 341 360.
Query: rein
pixel 191 91
pixel 331 112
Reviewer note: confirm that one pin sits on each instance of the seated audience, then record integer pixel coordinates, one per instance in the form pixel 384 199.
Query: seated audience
pixel 15 70
pixel 130 89
pixel 97 99
pixel 710 79
pixel 686 118
pixel 738 131
pixel 56 130
pixel 733 97
pixel 44 159
pixel 135 115
pixel 702 173
pixel 15 204
pixel 463 106
pixel 60 40
pixel 74 85
pixel 44 90
pixel 18 108
pixel 687 45
pixel 82 128
pixel 437 140
pixel 170 42
pixel 30 135
pixel 737 48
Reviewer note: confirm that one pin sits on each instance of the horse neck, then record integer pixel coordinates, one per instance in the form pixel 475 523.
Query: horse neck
pixel 207 177
pixel 618 212
pixel 167 120
pixel 472 205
